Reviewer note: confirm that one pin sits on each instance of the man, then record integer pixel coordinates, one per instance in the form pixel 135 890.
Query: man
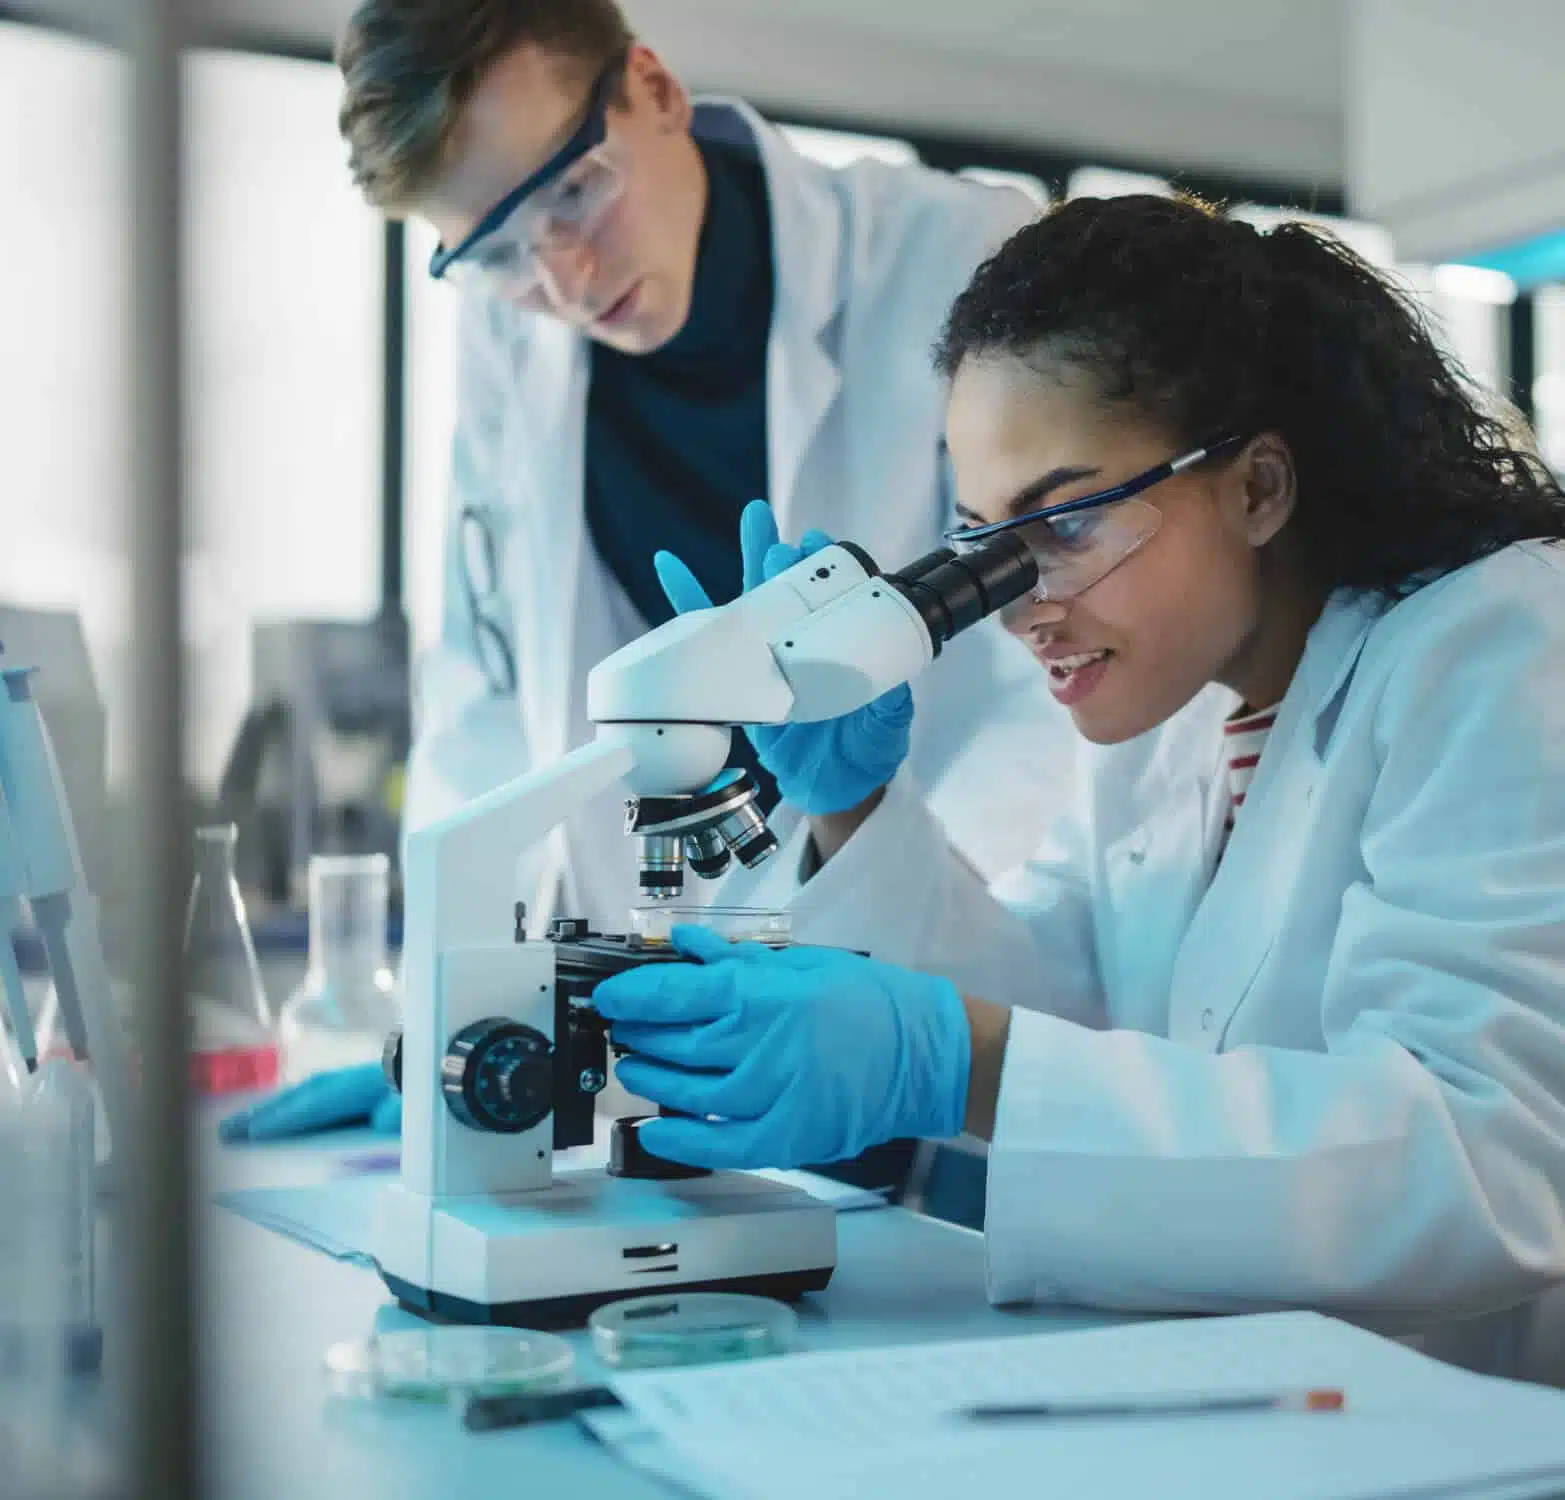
pixel 668 312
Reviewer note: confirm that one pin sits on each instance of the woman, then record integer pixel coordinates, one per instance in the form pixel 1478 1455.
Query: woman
pixel 1294 978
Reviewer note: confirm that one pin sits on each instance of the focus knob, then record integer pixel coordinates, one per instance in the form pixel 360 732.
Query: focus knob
pixel 498 1076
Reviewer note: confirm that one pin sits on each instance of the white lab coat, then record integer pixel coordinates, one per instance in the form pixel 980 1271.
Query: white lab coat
pixel 868 261
pixel 1332 1074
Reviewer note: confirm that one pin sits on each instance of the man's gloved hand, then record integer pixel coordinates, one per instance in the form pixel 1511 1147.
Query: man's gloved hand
pixel 355 1096
pixel 820 768
pixel 807 1054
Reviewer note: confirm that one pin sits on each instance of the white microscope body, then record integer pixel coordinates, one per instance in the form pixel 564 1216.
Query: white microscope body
pixel 479 1228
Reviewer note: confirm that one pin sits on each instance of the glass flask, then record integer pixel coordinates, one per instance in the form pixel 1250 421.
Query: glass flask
pixel 233 1041
pixel 348 1001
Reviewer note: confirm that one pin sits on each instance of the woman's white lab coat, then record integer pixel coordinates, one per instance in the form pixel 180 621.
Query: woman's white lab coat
pixel 868 260
pixel 1331 1074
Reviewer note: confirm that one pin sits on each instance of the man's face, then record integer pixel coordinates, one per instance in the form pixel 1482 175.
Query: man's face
pixel 628 283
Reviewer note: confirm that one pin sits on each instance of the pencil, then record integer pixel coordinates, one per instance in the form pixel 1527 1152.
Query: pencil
pixel 1183 1405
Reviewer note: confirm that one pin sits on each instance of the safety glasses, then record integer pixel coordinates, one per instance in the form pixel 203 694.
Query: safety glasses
pixel 481 584
pixel 1080 542
pixel 559 207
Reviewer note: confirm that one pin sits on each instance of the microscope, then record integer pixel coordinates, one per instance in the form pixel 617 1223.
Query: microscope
pixel 501 1052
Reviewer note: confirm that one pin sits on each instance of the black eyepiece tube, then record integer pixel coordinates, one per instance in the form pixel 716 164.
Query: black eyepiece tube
pixel 952 591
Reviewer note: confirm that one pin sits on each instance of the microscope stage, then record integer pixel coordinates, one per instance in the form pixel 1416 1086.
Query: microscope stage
pixel 548 1258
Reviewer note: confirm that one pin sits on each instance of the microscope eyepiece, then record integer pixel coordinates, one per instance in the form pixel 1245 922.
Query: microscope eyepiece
pixel 952 591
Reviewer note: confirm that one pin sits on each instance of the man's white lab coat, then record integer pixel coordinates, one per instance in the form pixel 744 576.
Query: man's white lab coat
pixel 868 260
pixel 1331 1074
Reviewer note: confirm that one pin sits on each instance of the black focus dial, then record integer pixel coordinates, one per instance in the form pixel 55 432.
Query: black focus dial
pixel 498 1076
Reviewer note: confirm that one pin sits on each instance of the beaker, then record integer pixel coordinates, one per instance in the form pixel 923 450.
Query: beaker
pixel 348 1001
pixel 233 1043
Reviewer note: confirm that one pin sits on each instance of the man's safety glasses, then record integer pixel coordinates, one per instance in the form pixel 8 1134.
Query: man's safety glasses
pixel 1078 543
pixel 559 207
pixel 481 586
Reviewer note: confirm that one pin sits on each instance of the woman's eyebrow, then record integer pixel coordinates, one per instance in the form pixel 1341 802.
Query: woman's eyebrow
pixel 1031 496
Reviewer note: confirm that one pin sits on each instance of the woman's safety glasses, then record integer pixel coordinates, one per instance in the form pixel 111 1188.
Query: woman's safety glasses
pixel 1080 542
pixel 558 208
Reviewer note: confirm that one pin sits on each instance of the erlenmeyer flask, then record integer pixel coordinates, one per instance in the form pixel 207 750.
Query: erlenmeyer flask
pixel 348 1002
pixel 233 1044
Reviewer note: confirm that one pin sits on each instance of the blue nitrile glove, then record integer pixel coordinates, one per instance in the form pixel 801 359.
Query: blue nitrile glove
pixel 820 768
pixel 328 1101
pixel 807 1054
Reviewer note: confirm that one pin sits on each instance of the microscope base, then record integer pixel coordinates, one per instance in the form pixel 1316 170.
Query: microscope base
pixel 572 1312
pixel 546 1259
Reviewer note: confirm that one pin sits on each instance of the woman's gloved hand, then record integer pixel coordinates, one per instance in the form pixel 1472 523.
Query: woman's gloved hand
pixel 820 768
pixel 356 1096
pixel 807 1054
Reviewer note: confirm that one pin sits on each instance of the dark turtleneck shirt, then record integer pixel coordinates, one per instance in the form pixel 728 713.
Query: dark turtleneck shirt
pixel 676 439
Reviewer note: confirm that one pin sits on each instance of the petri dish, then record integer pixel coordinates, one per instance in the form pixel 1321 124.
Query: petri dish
pixel 436 1364
pixel 692 1328
pixel 739 924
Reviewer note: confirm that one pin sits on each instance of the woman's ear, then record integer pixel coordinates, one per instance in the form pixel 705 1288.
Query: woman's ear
pixel 1270 487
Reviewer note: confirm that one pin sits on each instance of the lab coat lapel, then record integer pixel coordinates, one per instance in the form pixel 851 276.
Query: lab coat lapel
pixel 547 458
pixel 1237 921
pixel 803 376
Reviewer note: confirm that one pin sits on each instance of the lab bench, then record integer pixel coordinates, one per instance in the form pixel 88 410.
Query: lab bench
pixel 272 1307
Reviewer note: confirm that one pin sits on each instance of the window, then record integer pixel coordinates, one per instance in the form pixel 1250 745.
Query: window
pixel 431 419
pixel 1548 391
pixel 1108 182
pixel 64 436
pixel 285 293
pixel 1369 240
pixel 1467 308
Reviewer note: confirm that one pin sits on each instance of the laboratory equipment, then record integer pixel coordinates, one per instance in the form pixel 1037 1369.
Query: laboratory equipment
pixel 499 1059
pixel 443 1364
pixel 695 1328
pixel 41 870
pixel 347 1002
pixel 53 641
pixel 63 1108
pixel 233 1040
pixel 318 762
pixel 739 924
pixel 49 1332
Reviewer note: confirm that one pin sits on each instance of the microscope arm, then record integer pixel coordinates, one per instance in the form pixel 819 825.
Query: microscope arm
pixel 460 872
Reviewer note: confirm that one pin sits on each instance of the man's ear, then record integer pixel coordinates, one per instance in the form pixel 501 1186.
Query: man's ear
pixel 1270 487
pixel 650 85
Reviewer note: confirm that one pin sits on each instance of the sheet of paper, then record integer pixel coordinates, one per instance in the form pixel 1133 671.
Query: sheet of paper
pixel 889 1421
pixel 336 1218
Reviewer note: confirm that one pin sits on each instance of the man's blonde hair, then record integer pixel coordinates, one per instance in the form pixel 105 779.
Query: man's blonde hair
pixel 409 68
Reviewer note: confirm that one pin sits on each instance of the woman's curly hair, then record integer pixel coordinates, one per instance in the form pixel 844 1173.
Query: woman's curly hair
pixel 1207 327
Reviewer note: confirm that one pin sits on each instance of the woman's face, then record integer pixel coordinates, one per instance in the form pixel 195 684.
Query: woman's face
pixel 1182 610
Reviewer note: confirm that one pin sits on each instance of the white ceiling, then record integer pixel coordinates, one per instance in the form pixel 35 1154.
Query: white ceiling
pixel 1287 51
pixel 1252 85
